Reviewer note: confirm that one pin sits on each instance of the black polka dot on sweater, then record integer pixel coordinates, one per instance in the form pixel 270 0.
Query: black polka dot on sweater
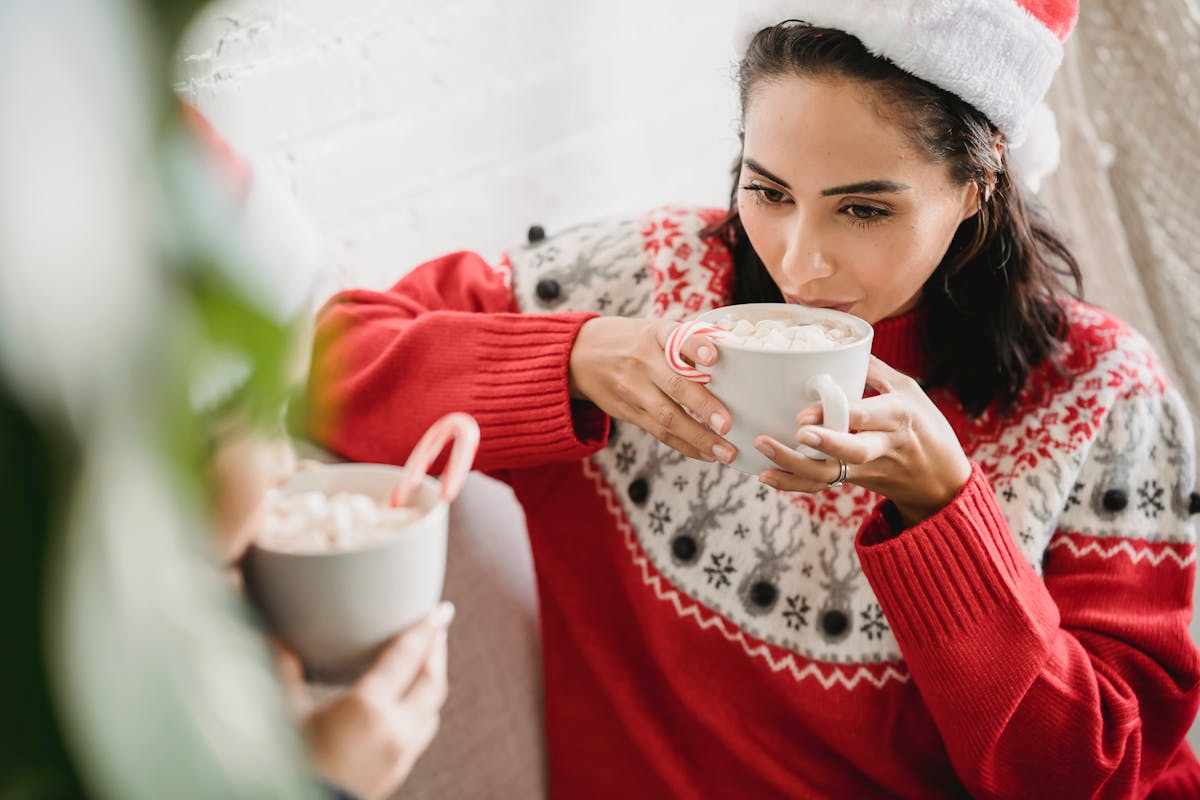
pixel 763 593
pixel 834 622
pixel 1115 500
pixel 639 490
pixel 684 548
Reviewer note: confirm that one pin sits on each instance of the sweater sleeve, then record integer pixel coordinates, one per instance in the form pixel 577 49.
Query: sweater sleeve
pixel 447 337
pixel 1081 682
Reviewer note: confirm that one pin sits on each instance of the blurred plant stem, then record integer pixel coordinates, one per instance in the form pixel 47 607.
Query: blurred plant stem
pixel 135 673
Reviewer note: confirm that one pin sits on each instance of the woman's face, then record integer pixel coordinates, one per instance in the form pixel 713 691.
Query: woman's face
pixel 840 207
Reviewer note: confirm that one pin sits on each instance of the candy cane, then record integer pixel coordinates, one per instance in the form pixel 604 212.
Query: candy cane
pixel 674 347
pixel 464 430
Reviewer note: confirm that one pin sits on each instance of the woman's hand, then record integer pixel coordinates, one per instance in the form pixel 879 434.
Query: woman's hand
pixel 900 446
pixel 619 365
pixel 367 740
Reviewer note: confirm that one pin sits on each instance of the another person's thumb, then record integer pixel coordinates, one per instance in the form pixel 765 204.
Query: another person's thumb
pixel 291 676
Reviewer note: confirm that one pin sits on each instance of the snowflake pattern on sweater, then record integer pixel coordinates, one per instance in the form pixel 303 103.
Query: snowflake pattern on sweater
pixel 1102 451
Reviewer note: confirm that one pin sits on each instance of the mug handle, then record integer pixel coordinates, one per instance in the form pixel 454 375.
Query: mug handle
pixel 835 407
pixel 464 431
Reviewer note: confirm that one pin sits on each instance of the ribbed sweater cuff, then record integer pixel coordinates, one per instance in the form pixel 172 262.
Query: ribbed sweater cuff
pixel 955 579
pixel 521 394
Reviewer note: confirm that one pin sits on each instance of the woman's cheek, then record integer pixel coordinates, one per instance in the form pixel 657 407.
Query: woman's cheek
pixel 887 274
pixel 761 234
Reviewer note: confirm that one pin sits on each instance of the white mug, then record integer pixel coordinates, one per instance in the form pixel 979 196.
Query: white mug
pixel 335 609
pixel 764 390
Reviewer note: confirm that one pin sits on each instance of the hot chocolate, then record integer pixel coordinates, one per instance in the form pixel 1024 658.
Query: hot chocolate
pixel 791 336
pixel 314 522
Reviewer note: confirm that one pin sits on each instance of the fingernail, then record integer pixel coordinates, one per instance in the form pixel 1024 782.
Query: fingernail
pixel 443 615
pixel 718 423
pixel 765 449
pixel 808 437
pixel 768 482
pixel 706 354
pixel 723 453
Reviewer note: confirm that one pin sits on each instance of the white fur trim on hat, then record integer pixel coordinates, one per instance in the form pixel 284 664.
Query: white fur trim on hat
pixel 993 54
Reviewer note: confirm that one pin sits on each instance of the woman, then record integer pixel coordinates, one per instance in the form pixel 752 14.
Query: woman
pixel 985 590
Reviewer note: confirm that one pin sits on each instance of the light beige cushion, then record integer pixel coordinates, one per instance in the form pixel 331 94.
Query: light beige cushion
pixel 491 742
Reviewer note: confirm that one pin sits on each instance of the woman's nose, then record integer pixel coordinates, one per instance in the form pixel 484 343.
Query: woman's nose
pixel 805 259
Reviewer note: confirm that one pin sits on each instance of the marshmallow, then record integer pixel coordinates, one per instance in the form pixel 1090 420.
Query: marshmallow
pixel 743 328
pixel 776 340
pixel 313 522
pixel 777 335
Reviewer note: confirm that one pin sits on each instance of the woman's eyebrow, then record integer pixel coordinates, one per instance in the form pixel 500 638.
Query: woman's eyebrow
pixel 761 170
pixel 879 186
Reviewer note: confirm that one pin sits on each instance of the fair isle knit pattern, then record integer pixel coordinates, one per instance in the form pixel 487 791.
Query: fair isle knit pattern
pixel 1094 464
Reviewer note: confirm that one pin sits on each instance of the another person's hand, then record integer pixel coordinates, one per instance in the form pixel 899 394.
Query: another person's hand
pixel 619 365
pixel 244 467
pixel 899 445
pixel 367 739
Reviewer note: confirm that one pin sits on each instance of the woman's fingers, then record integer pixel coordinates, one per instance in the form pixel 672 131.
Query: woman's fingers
pixel 853 448
pixel 880 413
pixel 874 414
pixel 813 415
pixel 798 473
pixel 694 397
pixel 798 465
pixel 638 416
pixel 788 482
pixel 883 378
pixel 666 421
pixel 398 665
pixel 698 348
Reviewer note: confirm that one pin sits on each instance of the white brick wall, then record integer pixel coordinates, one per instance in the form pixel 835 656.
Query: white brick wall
pixel 406 130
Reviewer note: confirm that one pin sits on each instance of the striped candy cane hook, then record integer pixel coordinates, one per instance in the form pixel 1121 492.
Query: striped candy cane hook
pixel 463 431
pixel 674 349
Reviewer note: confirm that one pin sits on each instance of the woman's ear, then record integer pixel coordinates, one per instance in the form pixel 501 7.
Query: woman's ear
pixel 976 194
pixel 972 201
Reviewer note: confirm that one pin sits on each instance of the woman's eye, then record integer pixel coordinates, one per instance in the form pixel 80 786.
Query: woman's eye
pixel 865 214
pixel 765 194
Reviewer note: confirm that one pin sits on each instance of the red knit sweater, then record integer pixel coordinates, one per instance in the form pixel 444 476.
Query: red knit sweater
pixel 983 655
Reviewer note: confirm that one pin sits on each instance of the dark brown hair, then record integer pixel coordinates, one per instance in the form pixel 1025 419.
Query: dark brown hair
pixel 990 311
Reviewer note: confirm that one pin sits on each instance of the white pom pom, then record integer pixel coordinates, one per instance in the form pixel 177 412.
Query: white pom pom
pixel 1036 158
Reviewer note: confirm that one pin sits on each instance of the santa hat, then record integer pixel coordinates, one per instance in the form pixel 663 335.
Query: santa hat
pixel 997 55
